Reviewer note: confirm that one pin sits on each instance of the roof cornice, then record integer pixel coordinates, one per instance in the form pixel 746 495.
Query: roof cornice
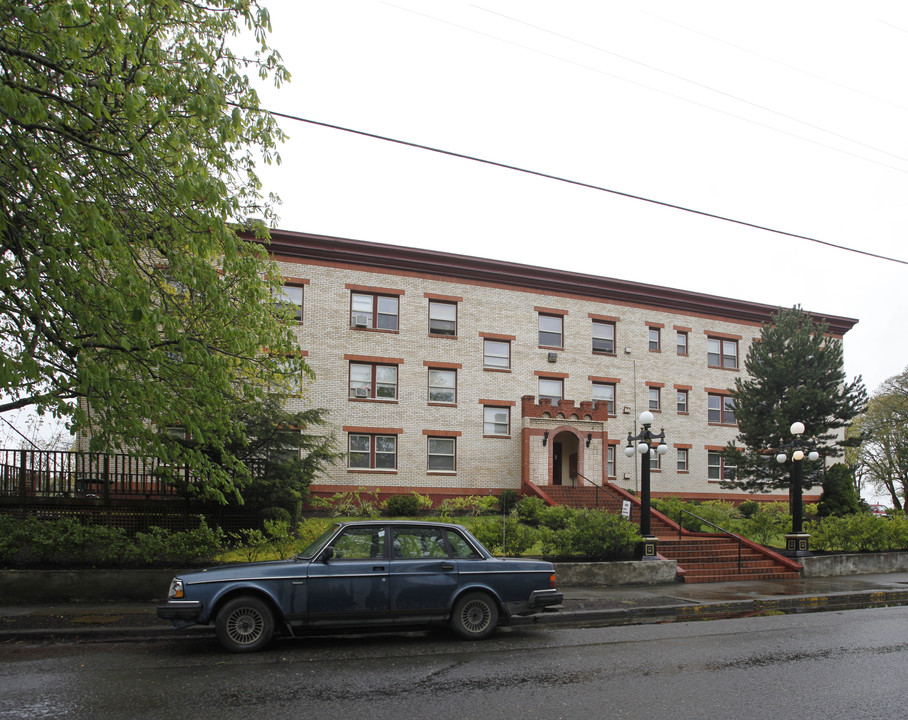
pixel 396 258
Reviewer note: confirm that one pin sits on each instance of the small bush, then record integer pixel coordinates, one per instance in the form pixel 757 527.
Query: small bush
pixel 599 535
pixel 510 537
pixel 529 511
pixel 507 501
pixel 402 506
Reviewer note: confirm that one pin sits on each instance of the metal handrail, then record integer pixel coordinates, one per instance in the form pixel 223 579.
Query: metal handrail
pixel 711 524
pixel 598 488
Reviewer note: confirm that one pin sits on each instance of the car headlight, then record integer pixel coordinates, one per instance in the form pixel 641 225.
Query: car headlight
pixel 176 589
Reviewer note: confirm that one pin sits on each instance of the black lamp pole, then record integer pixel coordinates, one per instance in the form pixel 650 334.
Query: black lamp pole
pixel 797 542
pixel 644 443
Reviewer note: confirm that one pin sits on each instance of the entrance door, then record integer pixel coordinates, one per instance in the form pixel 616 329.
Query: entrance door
pixel 556 463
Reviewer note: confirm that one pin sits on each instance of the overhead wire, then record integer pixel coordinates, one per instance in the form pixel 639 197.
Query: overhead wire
pixel 579 183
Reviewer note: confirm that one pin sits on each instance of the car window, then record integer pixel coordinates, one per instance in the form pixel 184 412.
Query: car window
pixel 461 548
pixel 418 543
pixel 360 543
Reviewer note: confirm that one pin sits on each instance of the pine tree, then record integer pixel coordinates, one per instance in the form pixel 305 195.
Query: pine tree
pixel 794 373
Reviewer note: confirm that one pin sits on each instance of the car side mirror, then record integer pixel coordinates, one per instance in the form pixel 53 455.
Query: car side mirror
pixel 326 554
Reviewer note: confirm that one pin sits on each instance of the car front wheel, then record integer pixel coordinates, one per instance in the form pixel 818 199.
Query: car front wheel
pixel 245 624
pixel 475 616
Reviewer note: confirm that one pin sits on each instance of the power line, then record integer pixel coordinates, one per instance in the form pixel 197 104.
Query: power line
pixel 579 183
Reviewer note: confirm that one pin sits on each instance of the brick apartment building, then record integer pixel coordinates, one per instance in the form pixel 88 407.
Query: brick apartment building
pixel 448 374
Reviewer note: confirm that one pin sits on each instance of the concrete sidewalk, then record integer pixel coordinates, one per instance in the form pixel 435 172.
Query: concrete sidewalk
pixel 593 605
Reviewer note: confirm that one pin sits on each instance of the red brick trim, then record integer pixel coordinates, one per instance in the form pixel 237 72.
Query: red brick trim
pixel 553 375
pixel 372 430
pixel 497 403
pixel 717 391
pixel 683 446
pixel 549 311
pixel 443 365
pixel 445 298
pixel 681 328
pixel 374 359
pixel 613 381
pixel 496 336
pixel 684 387
pixel 604 318
pixel 654 324
pixel 723 336
pixel 650 383
pixel 294 280
pixel 372 289
pixel 442 433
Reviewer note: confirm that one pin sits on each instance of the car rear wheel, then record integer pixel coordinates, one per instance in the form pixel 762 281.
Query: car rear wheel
pixel 245 624
pixel 475 616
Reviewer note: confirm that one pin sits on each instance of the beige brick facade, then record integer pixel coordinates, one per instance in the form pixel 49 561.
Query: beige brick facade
pixel 502 302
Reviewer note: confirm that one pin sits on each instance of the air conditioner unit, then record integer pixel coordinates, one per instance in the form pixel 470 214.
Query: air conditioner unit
pixel 627 410
pixel 361 392
pixel 360 321
pixel 553 357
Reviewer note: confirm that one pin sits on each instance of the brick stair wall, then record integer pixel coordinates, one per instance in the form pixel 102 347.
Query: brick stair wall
pixel 701 558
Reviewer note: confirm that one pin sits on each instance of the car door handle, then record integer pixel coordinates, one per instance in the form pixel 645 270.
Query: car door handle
pixel 447 566
pixel 378 568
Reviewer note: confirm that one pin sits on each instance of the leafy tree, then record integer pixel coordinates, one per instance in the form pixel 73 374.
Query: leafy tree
pixel 883 430
pixel 839 496
pixel 283 452
pixel 794 373
pixel 129 133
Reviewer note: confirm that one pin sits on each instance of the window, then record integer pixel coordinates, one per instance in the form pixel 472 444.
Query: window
pixel 442 386
pixel 551 388
pixel 605 392
pixel 717 469
pixel 722 353
pixel 442 454
pixel 378 452
pixel 370 380
pixel 551 330
pixel 361 543
pixel 655 339
pixel 496 354
pixel 655 398
pixel 610 461
pixel 721 409
pixel 291 297
pixel 496 421
pixel 682 342
pixel 655 460
pixel 682 460
pixel 442 318
pixel 410 543
pixel 368 310
pixel 603 337
pixel 459 546
pixel 682 401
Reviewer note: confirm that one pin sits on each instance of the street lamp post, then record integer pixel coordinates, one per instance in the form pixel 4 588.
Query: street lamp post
pixel 797 542
pixel 644 443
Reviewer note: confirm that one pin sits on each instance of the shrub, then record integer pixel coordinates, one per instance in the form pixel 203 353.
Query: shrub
pixel 599 535
pixel 769 520
pixel 473 505
pixel 557 517
pixel 529 510
pixel 279 514
pixel 748 509
pixel 357 503
pixel 509 537
pixel 402 506
pixel 507 501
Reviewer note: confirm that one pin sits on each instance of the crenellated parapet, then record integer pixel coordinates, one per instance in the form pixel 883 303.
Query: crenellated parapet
pixel 584 410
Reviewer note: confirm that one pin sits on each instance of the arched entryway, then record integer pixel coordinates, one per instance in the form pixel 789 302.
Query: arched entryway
pixel 566 452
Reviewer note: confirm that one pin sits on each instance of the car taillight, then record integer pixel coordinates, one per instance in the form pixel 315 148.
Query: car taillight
pixel 553 581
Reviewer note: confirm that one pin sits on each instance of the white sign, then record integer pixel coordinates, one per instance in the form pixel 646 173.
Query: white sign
pixel 626 509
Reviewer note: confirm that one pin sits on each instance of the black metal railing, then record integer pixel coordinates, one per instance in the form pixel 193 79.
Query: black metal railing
pixel 599 487
pixel 737 538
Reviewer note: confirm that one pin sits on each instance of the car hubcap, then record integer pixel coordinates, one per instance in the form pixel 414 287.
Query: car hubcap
pixel 476 616
pixel 245 626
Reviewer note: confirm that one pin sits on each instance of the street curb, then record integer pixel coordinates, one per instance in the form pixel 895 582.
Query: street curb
pixel 614 616
pixel 719 609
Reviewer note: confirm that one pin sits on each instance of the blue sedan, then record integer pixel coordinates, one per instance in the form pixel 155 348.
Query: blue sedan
pixel 363 575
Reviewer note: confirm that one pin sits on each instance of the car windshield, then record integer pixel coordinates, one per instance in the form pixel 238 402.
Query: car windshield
pixel 316 545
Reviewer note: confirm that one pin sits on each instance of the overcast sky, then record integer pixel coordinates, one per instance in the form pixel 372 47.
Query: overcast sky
pixel 788 115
